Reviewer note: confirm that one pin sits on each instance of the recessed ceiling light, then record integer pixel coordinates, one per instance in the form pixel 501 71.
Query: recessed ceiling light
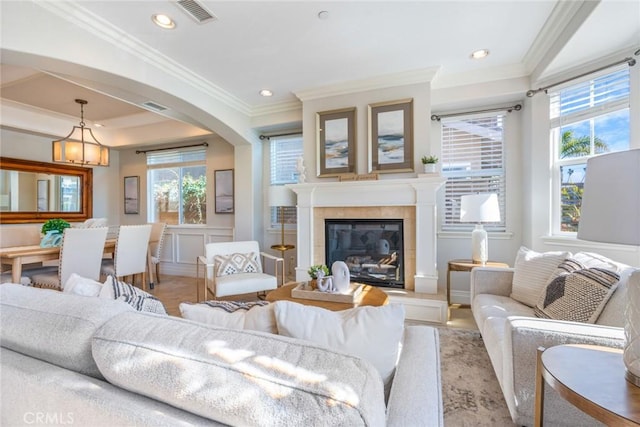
pixel 479 54
pixel 98 125
pixel 266 92
pixel 163 21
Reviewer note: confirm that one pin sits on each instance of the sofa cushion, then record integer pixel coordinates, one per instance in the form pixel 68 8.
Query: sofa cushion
pixel 576 293
pixel 487 306
pixel 79 285
pixel 237 377
pixel 54 326
pixel 373 333
pixel 531 274
pixel 237 263
pixel 257 316
pixel 135 297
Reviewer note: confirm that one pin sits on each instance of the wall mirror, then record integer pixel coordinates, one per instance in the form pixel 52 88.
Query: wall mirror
pixel 37 191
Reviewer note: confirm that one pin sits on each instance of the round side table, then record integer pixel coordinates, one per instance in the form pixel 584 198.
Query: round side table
pixel 466 265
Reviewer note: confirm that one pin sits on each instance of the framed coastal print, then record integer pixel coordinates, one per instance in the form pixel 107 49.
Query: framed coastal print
pixel 131 194
pixel 336 142
pixel 224 191
pixel 391 136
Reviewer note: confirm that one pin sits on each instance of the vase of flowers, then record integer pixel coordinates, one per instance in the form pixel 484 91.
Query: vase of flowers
pixel 429 163
pixel 52 231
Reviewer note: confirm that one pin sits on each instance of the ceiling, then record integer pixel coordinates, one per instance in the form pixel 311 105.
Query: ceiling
pixel 291 48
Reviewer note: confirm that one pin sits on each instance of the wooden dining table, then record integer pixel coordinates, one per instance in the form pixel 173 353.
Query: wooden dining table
pixel 17 256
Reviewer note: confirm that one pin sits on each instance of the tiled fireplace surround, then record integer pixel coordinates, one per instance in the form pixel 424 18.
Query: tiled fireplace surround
pixel 413 200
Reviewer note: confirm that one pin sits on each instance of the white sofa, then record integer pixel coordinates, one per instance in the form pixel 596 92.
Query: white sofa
pixel 69 359
pixel 512 333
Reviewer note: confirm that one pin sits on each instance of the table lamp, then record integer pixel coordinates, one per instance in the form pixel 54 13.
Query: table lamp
pixel 479 208
pixel 281 197
pixel 610 213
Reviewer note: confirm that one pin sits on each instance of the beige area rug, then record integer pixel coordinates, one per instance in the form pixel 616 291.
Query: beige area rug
pixel 470 391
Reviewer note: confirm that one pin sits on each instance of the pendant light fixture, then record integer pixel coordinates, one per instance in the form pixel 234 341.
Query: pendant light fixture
pixel 80 147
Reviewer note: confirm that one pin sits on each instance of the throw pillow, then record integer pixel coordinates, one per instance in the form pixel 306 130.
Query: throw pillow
pixel 372 333
pixel 237 263
pixel 576 294
pixel 79 285
pixel 531 274
pixel 256 316
pixel 137 298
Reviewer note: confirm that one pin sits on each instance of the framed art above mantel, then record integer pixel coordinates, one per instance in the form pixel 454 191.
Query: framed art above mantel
pixel 336 136
pixel 391 136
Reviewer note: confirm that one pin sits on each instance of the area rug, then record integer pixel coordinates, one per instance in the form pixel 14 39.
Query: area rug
pixel 470 391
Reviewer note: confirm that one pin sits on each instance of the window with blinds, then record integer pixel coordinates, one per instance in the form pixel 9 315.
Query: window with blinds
pixel 473 162
pixel 588 117
pixel 284 152
pixel 177 186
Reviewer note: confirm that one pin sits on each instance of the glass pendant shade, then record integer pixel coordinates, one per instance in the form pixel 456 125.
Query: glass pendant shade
pixel 80 147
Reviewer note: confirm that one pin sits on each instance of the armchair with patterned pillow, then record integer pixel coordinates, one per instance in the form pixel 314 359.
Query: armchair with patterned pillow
pixel 235 268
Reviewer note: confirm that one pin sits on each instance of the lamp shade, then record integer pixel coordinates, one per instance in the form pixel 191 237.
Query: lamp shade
pixel 279 195
pixel 611 199
pixel 479 208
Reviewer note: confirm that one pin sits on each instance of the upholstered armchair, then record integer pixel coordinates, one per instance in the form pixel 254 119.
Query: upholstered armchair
pixel 234 268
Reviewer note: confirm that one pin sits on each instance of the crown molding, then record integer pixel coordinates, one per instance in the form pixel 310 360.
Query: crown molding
pixel 281 107
pixel 486 75
pixel 425 75
pixel 74 13
pixel 565 19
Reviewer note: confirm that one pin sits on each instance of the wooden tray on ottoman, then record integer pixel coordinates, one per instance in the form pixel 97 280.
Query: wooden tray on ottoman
pixel 304 291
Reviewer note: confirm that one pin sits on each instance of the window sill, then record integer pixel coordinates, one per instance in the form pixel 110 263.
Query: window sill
pixel 573 241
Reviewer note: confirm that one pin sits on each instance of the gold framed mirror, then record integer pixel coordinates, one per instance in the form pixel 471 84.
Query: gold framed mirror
pixel 37 191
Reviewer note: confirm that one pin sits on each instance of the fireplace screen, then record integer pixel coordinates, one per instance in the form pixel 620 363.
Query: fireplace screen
pixel 372 248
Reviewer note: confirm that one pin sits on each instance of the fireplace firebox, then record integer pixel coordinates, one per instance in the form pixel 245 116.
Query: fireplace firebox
pixel 372 248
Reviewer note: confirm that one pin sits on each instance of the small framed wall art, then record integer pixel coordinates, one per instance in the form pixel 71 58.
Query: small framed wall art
pixel 391 136
pixel 224 191
pixel 336 136
pixel 131 194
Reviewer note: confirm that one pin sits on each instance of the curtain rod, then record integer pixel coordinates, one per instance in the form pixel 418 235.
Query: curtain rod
pixel 280 134
pixel 516 107
pixel 629 60
pixel 202 144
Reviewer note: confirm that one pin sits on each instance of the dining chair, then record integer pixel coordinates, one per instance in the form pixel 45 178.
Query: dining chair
pixel 130 257
pixel 234 268
pixel 93 223
pixel 80 253
pixel 155 248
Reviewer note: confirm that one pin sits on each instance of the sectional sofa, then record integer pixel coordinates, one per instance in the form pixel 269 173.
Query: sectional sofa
pixel 79 360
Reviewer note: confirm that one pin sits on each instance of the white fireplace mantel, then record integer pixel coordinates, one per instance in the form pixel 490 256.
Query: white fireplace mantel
pixel 419 193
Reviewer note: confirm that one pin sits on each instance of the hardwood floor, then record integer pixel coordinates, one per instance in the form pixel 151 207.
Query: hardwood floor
pixel 172 290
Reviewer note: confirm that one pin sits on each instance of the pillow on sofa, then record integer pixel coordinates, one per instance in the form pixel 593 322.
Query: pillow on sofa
pixel 531 274
pixel 256 316
pixel 237 263
pixel 136 298
pixel 372 333
pixel 54 326
pixel 576 294
pixel 79 285
pixel 237 377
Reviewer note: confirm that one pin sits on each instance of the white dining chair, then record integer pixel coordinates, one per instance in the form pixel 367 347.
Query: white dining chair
pixel 80 253
pixel 130 257
pixel 234 268
pixel 93 223
pixel 155 248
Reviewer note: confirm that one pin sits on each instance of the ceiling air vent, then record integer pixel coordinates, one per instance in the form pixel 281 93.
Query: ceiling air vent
pixel 196 11
pixel 153 106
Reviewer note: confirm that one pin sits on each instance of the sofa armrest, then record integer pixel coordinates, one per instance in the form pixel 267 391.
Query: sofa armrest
pixel 491 280
pixel 420 348
pixel 523 336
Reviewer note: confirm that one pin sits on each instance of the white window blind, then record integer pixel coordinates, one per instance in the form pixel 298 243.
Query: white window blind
pixel 588 117
pixel 473 162
pixel 284 154
pixel 177 157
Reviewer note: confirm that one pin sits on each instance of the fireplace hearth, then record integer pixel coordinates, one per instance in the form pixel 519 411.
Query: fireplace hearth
pixel 373 249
